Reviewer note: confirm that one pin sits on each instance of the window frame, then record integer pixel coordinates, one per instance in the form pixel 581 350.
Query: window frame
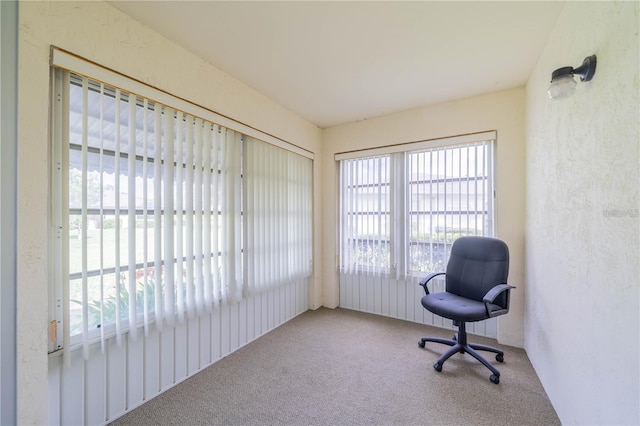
pixel 400 239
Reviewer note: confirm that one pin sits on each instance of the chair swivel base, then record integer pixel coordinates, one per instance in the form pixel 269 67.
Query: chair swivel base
pixel 459 344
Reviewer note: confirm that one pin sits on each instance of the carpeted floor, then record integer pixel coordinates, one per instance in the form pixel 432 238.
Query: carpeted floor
pixel 341 367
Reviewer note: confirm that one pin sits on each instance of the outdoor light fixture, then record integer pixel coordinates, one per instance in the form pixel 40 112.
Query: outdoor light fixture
pixel 562 83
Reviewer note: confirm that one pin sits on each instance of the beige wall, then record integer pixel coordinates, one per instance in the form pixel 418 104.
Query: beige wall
pixel 582 161
pixel 99 32
pixel 502 111
pixel 583 234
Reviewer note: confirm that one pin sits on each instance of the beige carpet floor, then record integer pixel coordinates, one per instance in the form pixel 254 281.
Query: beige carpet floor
pixel 341 367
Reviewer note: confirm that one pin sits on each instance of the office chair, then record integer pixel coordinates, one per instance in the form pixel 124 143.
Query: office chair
pixel 476 289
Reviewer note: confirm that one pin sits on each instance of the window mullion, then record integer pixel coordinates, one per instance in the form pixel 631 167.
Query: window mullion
pixel 64 224
pixel 101 216
pixel 491 196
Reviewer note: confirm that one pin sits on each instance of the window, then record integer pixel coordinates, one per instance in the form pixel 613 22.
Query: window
pixel 160 214
pixel 450 195
pixel 365 224
pixel 147 187
pixel 401 211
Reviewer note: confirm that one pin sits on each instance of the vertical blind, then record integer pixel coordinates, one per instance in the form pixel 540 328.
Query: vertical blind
pixel 401 210
pixel 278 214
pixel 162 213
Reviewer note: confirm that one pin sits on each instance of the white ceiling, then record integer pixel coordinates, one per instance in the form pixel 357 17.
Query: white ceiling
pixel 337 62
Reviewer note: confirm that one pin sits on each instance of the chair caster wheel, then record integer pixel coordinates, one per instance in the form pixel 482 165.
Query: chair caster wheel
pixel 495 379
pixel 500 357
pixel 437 366
pixel 421 344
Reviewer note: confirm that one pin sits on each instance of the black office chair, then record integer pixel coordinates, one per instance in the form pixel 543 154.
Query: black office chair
pixel 476 289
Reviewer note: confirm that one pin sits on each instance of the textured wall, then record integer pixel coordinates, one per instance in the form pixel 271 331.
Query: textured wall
pixel 99 32
pixel 583 241
pixel 8 149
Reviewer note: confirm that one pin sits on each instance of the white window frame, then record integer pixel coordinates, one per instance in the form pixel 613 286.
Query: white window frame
pixel 399 199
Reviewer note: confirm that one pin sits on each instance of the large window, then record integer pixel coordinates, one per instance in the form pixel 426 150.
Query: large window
pixel 401 211
pixel 159 214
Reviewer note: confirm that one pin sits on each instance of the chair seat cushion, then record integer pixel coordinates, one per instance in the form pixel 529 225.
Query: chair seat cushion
pixel 454 307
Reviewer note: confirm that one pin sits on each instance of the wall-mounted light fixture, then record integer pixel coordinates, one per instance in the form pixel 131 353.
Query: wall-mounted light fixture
pixel 562 83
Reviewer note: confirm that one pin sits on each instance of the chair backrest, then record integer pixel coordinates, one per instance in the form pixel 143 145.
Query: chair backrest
pixel 476 265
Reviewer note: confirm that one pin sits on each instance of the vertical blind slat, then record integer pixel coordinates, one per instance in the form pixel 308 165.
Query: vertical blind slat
pixel 84 223
pixel 179 216
pixel 237 216
pixel 198 229
pixel 145 216
pixel 208 169
pixel 188 208
pixel 118 285
pixel 131 205
pixel 169 208
pixel 226 224
pixel 188 185
pixel 215 223
pixel 157 218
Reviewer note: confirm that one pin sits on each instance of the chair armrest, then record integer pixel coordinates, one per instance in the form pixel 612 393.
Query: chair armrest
pixel 495 292
pixel 492 295
pixel 423 282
